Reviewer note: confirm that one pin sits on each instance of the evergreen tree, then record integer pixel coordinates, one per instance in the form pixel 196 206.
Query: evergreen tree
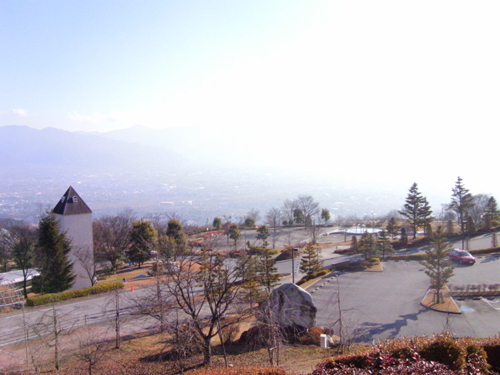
pixel 491 217
pixel 354 244
pixel 143 240
pixel 471 226
pixel 439 268
pixel 175 232
pixel 311 261
pixel 392 227
pixel 298 216
pixel 325 215
pixel 426 216
pixel 461 202
pixel 234 234
pixel 217 223
pixel 56 271
pixel 262 234
pixel 416 209
pixel 368 246
pixel 251 285
pixel 267 271
pixel 403 240
pixel 384 245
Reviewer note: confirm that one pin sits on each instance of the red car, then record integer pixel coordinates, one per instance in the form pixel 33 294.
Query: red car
pixel 462 256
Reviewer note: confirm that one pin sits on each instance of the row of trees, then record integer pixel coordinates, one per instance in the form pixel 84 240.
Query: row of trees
pixel 470 211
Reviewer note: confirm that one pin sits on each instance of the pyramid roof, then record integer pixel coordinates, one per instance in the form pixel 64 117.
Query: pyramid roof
pixel 71 204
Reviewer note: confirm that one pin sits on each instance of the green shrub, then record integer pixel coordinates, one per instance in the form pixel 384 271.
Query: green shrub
pixel 44 299
pixel 444 350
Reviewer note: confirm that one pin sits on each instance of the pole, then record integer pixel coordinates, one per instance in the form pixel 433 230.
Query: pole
pixel 293 266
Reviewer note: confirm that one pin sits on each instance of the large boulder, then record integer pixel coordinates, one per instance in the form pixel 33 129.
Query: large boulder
pixel 289 306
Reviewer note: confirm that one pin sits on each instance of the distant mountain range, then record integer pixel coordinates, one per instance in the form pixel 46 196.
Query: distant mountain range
pixel 51 148
pixel 134 149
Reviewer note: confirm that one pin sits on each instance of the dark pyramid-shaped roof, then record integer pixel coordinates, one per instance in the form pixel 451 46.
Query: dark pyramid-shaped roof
pixel 71 204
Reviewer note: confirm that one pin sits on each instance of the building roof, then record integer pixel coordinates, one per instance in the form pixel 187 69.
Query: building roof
pixel 71 204
pixel 16 276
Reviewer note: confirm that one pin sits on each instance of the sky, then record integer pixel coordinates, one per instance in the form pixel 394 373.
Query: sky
pixel 406 89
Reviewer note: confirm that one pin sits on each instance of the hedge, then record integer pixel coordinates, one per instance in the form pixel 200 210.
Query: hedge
pixel 44 299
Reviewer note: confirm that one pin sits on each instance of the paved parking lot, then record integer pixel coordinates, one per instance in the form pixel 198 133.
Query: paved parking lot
pixel 383 305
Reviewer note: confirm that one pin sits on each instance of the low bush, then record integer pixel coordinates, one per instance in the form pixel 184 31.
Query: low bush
pixel 44 299
pixel 238 371
pixel 439 354
pixel 312 336
pixel 444 350
pixel 313 276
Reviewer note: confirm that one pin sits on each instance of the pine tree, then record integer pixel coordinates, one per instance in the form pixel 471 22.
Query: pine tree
pixel 392 227
pixel 354 244
pixel 461 202
pixel 368 246
pixel 491 217
pixel 416 209
pixel 384 245
pixel 403 240
pixel 262 234
pixel 56 271
pixel 439 268
pixel 311 261
pixel 268 273
pixel 470 226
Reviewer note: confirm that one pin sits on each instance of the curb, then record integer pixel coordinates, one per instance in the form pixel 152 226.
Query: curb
pixel 447 306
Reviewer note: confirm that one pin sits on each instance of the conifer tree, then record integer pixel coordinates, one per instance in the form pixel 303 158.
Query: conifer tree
pixel 403 240
pixel 268 273
pixel 491 215
pixel 354 244
pixel 56 270
pixel 175 232
pixel 384 245
pixel 392 227
pixel 461 202
pixel 311 261
pixel 368 246
pixel 416 209
pixel 439 268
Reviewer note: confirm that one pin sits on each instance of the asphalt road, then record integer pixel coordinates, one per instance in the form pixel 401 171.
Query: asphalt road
pixel 385 305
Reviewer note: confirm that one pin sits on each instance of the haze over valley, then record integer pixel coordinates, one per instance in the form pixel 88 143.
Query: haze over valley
pixel 193 173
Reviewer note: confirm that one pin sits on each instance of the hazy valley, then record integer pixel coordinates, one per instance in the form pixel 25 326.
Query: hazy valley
pixel 193 172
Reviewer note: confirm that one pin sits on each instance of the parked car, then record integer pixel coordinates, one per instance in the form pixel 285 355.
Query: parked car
pixel 462 256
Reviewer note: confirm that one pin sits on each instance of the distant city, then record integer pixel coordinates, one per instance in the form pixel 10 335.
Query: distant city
pixel 195 180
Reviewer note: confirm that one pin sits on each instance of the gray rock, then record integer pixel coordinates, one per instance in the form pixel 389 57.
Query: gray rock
pixel 289 305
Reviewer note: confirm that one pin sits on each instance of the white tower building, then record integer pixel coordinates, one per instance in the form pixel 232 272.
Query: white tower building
pixel 75 218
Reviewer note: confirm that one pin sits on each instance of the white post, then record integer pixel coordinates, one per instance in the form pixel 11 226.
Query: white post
pixel 323 341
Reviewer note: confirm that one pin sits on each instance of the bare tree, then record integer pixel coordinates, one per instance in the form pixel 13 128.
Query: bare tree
pixel 289 207
pixel 50 328
pixel 309 208
pixel 480 203
pixel 88 262
pixel 273 218
pixel 205 306
pixel 92 347
pixel 111 237
pixel 20 243
pixel 254 214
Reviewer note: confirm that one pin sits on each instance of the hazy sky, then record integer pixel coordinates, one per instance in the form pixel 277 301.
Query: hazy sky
pixel 411 88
